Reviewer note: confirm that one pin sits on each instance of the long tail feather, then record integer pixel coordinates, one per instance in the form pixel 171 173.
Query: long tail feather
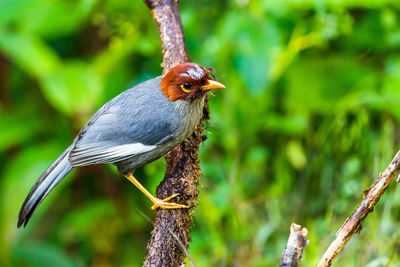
pixel 46 182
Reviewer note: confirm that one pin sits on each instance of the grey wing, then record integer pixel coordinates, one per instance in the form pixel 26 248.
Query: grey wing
pixel 122 128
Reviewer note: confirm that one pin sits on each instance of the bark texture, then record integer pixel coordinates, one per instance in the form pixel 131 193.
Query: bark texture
pixel 294 248
pixel 169 23
pixel 170 236
pixel 353 224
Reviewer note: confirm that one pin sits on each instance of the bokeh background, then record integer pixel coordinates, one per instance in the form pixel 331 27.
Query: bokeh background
pixel 309 118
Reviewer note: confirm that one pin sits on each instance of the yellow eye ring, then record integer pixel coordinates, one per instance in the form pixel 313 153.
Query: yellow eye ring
pixel 186 87
pixel 185 90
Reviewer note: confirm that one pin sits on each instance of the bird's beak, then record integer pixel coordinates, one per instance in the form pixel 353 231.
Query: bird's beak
pixel 211 84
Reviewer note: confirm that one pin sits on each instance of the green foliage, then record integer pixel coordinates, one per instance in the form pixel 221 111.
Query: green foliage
pixel 309 118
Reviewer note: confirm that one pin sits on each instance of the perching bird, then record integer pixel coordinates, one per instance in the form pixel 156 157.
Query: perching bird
pixel 136 127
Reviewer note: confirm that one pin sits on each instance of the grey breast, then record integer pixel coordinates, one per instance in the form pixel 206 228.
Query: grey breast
pixel 134 128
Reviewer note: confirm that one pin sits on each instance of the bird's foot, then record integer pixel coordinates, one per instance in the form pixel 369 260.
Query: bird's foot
pixel 163 204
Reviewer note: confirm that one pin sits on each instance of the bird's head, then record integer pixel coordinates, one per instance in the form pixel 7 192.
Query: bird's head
pixel 188 81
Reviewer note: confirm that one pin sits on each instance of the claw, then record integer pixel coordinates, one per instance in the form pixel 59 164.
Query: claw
pixel 163 204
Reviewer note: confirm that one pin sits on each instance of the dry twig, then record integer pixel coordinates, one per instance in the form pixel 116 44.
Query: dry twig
pixel 170 236
pixel 353 223
pixel 294 247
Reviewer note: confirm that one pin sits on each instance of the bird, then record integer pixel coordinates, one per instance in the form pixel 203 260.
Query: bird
pixel 133 129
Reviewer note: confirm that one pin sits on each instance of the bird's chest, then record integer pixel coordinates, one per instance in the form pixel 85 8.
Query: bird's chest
pixel 188 115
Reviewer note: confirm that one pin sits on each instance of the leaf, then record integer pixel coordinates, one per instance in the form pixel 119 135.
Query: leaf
pixel 11 10
pixel 41 254
pixel 30 52
pixel 13 132
pixel 296 155
pixel 19 176
pixel 75 88
pixel 48 19
pixel 247 35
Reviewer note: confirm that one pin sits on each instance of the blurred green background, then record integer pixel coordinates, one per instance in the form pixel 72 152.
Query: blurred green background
pixel 309 118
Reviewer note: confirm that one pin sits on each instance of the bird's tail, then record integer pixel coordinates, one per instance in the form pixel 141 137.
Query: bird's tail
pixel 46 182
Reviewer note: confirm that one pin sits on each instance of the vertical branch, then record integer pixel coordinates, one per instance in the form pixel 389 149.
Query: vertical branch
pixel 168 20
pixel 353 224
pixel 170 236
pixel 294 248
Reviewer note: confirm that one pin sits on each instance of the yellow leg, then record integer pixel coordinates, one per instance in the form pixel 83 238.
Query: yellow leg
pixel 158 203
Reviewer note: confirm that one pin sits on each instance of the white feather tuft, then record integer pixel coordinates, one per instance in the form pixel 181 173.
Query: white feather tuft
pixel 195 72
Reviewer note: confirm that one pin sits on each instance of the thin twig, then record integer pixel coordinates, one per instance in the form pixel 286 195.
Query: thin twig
pixel 353 223
pixel 170 236
pixel 294 248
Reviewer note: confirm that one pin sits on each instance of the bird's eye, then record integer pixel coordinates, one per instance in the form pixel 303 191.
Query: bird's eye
pixel 186 87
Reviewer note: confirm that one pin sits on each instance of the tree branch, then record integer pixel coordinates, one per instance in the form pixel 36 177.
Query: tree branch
pixel 170 236
pixel 294 247
pixel 353 223
pixel 168 20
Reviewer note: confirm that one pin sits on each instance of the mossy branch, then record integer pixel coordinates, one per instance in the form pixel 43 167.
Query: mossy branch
pixel 170 236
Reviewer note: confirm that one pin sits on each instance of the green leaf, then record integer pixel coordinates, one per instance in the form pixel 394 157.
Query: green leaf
pixel 75 88
pixel 30 52
pixel 19 176
pixel 13 132
pixel 296 155
pixel 46 18
pixel 247 35
pixel 41 255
